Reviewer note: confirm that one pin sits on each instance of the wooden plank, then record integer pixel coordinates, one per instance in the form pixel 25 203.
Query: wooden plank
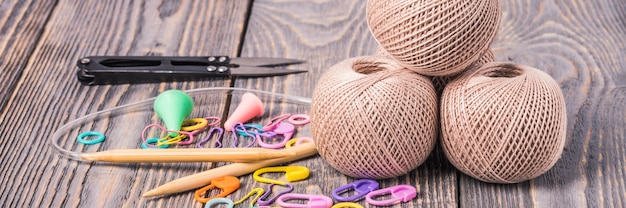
pixel 21 25
pixel 581 44
pixel 324 33
pixel 49 96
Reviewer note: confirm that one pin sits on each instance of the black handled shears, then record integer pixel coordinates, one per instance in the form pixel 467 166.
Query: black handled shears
pixel 96 70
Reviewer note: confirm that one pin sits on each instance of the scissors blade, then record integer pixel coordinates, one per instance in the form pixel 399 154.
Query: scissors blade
pixel 259 71
pixel 269 62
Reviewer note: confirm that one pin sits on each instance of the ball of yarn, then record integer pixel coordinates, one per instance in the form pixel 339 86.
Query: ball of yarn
pixel 503 122
pixel 373 118
pixel 434 37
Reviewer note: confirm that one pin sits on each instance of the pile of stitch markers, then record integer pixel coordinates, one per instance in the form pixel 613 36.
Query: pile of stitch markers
pixel 278 133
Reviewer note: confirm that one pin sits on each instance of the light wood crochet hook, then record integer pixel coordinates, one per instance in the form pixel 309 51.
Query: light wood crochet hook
pixel 186 155
pixel 236 169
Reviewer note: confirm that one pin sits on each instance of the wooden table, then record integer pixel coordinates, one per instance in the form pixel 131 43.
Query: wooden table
pixel 582 44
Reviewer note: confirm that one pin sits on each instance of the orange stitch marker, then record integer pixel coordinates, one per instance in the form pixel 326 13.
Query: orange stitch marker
pixel 228 185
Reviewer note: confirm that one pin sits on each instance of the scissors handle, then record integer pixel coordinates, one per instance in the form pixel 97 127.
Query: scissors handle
pixel 105 69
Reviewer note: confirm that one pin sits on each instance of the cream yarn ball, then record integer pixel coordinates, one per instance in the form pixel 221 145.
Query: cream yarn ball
pixel 434 37
pixel 503 122
pixel 373 118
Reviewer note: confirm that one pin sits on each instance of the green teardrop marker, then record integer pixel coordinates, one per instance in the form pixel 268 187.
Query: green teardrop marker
pixel 173 106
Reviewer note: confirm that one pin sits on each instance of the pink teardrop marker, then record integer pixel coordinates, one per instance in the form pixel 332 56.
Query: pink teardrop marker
pixel 249 107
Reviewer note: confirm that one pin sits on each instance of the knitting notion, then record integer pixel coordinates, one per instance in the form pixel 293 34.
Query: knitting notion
pixel 97 70
pixel 187 155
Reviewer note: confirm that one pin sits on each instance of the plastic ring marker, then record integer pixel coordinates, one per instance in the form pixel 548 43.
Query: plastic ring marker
pixel 300 119
pixel 216 120
pixel 167 139
pixel 152 141
pixel 217 201
pixel 198 123
pixel 81 137
pixel 347 205
pixel 312 201
pixel 361 187
pixel 400 193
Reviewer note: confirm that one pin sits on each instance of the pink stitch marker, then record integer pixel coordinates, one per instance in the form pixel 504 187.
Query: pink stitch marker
pixel 400 193
pixel 312 201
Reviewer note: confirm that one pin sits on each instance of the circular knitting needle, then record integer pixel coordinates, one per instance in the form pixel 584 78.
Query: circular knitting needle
pixel 186 155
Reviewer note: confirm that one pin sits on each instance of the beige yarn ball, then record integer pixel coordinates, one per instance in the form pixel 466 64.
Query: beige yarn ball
pixel 503 122
pixel 373 118
pixel 434 37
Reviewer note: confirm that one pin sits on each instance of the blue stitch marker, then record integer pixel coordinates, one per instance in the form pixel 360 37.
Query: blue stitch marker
pixel 81 137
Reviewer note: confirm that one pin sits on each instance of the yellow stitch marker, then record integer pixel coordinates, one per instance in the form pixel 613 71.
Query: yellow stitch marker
pixel 297 141
pixel 291 142
pixel 170 140
pixel 292 173
pixel 347 205
pixel 198 123
pixel 257 191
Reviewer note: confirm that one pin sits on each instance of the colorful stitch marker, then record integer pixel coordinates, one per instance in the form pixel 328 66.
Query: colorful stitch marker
pixel 173 106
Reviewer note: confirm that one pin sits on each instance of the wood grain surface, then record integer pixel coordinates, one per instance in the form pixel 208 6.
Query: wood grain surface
pixel 582 44
pixel 48 96
pixel 21 25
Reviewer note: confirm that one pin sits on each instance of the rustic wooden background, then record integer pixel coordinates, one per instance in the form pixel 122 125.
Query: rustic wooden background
pixel 581 43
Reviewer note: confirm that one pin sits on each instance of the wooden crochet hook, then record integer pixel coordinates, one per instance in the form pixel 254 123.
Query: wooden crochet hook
pixel 186 155
pixel 236 169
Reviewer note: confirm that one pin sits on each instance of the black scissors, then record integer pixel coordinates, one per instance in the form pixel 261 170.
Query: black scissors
pixel 96 70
